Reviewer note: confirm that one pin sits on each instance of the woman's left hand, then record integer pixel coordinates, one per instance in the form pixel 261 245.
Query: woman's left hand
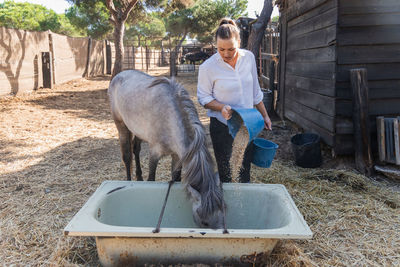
pixel 267 123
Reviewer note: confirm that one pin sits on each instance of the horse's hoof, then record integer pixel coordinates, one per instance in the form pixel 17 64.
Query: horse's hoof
pixel 157 230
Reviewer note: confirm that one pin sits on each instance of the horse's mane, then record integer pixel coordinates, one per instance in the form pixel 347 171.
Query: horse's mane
pixel 197 163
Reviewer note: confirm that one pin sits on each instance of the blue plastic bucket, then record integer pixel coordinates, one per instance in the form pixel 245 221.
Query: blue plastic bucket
pixel 251 118
pixel 263 152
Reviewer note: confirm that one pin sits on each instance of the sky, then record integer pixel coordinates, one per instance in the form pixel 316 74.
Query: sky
pixel 256 6
pixel 59 6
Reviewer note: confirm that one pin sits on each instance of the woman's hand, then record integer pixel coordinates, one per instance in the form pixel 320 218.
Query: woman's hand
pixel 226 112
pixel 267 123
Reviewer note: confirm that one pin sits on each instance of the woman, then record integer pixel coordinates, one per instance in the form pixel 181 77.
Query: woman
pixel 229 80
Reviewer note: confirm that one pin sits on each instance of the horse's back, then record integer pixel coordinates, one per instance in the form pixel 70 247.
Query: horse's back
pixel 147 110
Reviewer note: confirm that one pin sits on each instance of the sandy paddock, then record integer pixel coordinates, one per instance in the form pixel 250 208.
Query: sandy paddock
pixel 58 145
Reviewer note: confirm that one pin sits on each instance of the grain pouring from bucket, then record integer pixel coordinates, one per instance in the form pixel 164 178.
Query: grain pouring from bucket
pixel 160 112
pixel 238 150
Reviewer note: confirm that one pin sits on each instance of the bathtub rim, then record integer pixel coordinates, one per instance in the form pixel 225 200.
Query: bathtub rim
pixel 84 222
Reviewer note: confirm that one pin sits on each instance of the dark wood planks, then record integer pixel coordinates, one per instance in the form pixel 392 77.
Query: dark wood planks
pixel 323 54
pixel 378 107
pixel 369 54
pixel 371 35
pixel 320 103
pixel 310 66
pixel 315 39
pixel 295 116
pixel 388 71
pixel 324 71
pixel 318 118
pixel 322 87
pixel 377 19
pixel 320 21
pixel 368 6
pixel 387 89
pixel 300 7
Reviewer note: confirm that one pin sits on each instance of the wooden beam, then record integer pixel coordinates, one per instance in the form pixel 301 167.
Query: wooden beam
pixel 362 139
pixel 282 66
pixel 396 140
pixel 380 123
pixel 268 56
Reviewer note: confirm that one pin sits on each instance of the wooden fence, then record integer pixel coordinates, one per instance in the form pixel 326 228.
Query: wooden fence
pixel 269 55
pixel 30 60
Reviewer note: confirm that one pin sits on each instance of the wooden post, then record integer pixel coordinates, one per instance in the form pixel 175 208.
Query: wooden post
pixel 380 123
pixel 47 70
pixel 89 48
pixel 282 65
pixel 141 54
pixel 162 53
pixel 396 140
pixel 108 58
pixel 134 57
pixel 362 138
pixel 147 58
pixel 272 75
pixel 53 57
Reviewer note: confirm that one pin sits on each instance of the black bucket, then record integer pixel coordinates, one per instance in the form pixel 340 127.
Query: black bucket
pixel 268 99
pixel 307 150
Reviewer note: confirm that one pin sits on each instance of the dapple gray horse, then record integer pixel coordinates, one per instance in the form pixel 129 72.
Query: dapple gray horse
pixel 160 112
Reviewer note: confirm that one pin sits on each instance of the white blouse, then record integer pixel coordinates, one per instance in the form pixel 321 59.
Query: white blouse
pixel 237 87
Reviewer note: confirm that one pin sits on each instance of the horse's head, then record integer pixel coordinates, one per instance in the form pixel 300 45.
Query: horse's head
pixel 204 219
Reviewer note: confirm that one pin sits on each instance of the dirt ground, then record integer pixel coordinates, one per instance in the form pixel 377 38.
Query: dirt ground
pixel 58 145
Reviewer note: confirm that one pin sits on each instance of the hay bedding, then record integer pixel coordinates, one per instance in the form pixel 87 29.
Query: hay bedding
pixel 58 145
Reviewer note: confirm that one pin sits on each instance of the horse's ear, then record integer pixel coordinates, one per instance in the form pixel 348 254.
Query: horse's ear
pixel 194 193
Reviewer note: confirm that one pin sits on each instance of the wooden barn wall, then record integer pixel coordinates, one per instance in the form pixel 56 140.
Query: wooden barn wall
pixel 369 37
pixel 309 83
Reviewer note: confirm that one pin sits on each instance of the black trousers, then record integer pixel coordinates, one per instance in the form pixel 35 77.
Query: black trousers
pixel 222 143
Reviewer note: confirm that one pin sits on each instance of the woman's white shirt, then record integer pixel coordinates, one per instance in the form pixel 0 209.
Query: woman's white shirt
pixel 237 87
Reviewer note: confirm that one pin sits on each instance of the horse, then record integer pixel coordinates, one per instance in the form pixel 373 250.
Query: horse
pixel 192 57
pixel 160 112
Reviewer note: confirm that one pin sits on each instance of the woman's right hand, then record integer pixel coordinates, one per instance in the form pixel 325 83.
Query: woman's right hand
pixel 226 112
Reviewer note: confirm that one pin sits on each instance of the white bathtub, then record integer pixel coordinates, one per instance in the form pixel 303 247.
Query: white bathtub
pixel 121 215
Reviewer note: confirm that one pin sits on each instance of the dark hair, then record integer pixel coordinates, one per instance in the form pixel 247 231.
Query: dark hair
pixel 227 29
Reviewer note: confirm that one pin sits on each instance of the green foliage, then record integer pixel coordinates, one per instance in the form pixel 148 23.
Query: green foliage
pixel 67 28
pixel 90 17
pixel 149 31
pixel 28 16
pixel 207 15
pixel 275 19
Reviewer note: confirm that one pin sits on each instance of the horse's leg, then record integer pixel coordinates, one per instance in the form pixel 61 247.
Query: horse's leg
pixel 125 140
pixel 176 172
pixel 154 158
pixel 136 150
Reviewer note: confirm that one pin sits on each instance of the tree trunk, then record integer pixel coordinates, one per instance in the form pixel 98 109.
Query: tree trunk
pixel 119 30
pixel 257 29
pixel 118 18
pixel 173 69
